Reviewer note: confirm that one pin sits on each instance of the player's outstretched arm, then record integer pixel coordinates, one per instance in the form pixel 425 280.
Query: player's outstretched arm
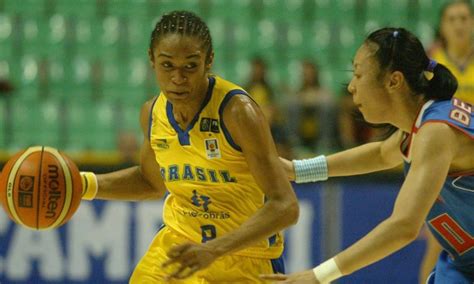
pixel 367 158
pixel 431 160
pixel 141 182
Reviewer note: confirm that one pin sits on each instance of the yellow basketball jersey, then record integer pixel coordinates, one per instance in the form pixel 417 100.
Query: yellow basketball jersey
pixel 464 75
pixel 211 189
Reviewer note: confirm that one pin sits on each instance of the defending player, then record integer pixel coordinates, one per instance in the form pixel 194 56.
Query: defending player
pixel 456 52
pixel 208 145
pixel 395 82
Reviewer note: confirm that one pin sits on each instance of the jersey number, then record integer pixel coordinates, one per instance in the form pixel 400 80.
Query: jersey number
pixel 458 238
pixel 208 233
pixel 461 112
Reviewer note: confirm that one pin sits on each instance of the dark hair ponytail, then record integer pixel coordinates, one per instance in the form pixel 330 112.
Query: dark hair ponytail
pixel 443 85
pixel 400 50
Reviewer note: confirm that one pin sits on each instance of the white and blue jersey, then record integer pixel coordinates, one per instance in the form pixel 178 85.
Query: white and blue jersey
pixel 451 219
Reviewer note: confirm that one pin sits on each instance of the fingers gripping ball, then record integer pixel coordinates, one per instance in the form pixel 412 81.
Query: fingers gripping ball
pixel 40 188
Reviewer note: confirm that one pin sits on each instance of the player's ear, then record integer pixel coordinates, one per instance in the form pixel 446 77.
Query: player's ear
pixel 396 80
pixel 151 58
pixel 210 61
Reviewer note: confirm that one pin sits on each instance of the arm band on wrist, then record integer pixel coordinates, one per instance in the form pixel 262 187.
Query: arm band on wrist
pixel 327 271
pixel 89 185
pixel 310 170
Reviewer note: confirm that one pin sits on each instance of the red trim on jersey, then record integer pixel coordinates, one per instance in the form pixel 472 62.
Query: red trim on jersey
pixel 414 130
pixel 466 173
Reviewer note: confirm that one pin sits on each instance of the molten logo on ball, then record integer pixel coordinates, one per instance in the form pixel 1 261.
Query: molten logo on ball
pixel 53 190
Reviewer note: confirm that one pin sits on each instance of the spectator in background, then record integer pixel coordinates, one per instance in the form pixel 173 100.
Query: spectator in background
pixel 258 86
pixel 5 88
pixel 455 48
pixel 262 93
pixel 311 119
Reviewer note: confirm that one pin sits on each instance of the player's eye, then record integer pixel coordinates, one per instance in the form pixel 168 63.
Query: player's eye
pixel 191 66
pixel 356 75
pixel 167 64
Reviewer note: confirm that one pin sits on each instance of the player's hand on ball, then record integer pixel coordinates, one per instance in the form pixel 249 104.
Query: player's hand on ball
pixel 190 258
pixel 303 277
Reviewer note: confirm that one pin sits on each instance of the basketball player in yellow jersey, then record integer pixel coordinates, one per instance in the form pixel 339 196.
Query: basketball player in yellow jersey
pixel 208 145
pixel 457 46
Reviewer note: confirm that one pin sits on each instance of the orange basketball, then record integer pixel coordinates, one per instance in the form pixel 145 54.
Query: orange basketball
pixel 40 188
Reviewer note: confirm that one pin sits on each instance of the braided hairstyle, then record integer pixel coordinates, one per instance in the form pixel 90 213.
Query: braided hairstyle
pixel 400 50
pixel 184 23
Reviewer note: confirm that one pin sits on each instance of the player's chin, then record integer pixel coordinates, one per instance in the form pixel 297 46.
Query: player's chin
pixel 369 116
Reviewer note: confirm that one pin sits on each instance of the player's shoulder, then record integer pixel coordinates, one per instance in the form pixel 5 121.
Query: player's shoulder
pixel 242 110
pixel 148 105
pixel 224 86
pixel 435 108
pixel 146 111
pixel 230 97
pixel 455 113
pixel 443 108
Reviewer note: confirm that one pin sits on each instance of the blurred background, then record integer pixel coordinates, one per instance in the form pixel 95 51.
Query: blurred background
pixel 79 71
pixel 74 74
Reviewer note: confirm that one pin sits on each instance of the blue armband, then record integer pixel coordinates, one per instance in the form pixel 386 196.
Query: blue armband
pixel 310 170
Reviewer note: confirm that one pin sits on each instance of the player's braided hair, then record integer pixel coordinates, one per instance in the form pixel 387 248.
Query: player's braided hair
pixel 184 23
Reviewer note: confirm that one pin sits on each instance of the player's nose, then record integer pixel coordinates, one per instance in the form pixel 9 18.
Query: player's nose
pixel 351 87
pixel 178 78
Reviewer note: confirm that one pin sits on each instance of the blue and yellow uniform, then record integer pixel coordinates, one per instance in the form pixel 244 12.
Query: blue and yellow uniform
pixel 211 191
pixel 451 219
pixel 464 74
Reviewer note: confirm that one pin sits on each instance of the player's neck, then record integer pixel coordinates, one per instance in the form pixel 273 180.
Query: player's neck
pixel 185 111
pixel 410 110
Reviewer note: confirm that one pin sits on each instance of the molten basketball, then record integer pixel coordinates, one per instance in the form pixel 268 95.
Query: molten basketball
pixel 40 188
